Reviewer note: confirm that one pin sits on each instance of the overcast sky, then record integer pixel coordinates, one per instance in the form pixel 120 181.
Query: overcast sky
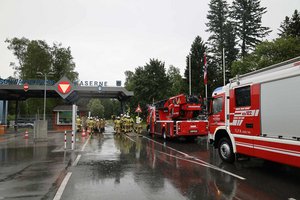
pixel 108 37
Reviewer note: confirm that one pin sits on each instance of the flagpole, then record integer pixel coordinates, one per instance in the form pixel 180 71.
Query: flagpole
pixel 190 76
pixel 205 80
pixel 224 66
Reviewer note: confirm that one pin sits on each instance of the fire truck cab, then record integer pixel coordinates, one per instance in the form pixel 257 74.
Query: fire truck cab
pixel 257 114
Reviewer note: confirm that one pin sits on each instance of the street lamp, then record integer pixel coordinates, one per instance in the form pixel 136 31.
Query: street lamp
pixel 45 90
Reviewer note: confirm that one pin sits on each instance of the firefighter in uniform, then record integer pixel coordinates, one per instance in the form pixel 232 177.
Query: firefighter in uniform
pixel 118 125
pixel 102 125
pixel 78 123
pixel 122 123
pixel 90 124
pixel 131 124
pixel 138 124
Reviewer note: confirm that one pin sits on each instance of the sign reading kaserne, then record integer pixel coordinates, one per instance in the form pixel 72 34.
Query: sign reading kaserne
pixel 64 87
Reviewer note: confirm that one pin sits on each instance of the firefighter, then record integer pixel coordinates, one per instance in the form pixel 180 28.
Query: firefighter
pixel 127 123
pixel 118 125
pixel 97 125
pixel 78 123
pixel 131 124
pixel 138 124
pixel 102 125
pixel 90 124
pixel 122 123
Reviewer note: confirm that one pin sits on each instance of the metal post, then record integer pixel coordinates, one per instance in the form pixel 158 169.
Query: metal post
pixel 73 141
pixel 190 76
pixel 16 115
pixel 65 140
pixel 73 125
pixel 224 82
pixel 45 96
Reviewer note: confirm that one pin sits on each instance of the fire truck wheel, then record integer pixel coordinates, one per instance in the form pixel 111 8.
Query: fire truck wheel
pixel 225 150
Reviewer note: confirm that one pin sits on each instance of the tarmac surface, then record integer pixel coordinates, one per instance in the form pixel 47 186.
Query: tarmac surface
pixel 131 166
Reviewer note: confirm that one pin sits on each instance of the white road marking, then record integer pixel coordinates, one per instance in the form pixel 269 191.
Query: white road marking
pixel 195 160
pixel 83 147
pixel 76 161
pixel 62 186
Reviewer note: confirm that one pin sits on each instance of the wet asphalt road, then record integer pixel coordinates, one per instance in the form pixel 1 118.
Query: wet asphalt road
pixel 106 166
pixel 131 167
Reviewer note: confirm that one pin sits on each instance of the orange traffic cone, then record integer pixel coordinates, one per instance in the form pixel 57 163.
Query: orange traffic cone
pixel 26 135
pixel 83 133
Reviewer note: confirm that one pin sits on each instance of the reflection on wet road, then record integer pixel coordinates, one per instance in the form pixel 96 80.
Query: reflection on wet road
pixel 28 170
pixel 133 167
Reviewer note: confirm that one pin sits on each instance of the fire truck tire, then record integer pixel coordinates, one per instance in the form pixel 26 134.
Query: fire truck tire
pixel 225 150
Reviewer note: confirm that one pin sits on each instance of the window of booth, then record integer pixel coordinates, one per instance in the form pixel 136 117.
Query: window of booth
pixel 64 118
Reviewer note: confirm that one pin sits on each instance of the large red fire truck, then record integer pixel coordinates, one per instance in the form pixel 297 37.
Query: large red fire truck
pixel 257 114
pixel 176 117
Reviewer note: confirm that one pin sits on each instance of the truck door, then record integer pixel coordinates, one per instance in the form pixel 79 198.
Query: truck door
pixel 217 117
pixel 244 109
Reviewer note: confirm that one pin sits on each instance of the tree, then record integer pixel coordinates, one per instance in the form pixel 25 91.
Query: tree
pixel 217 18
pixel 149 83
pixel 246 15
pixel 63 64
pixel 268 53
pixel 96 108
pixel 290 26
pixel 223 35
pixel 37 55
pixel 197 62
pixel 128 79
pixel 231 52
pixel 176 81
pixel 19 48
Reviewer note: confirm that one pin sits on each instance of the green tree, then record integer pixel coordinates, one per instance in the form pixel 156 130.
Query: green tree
pixel 129 80
pixel 290 26
pixel 176 81
pixel 149 83
pixel 223 35
pixel 63 64
pixel 197 63
pixel 96 108
pixel 268 53
pixel 217 18
pixel 37 56
pixel 247 15
pixel 231 52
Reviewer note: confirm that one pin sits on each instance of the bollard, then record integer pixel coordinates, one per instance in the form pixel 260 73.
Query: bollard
pixel 72 140
pixel 65 139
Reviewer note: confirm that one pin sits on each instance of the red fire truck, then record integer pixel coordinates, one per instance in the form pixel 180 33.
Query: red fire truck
pixel 176 117
pixel 257 114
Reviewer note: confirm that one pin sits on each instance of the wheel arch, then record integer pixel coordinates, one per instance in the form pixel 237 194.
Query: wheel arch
pixel 220 133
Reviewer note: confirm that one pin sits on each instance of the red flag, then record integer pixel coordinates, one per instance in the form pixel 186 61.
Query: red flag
pixel 205 69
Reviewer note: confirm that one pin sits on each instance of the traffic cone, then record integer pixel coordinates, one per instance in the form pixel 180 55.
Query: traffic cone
pixel 83 133
pixel 26 135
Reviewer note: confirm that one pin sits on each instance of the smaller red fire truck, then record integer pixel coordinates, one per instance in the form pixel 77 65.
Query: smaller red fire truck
pixel 257 114
pixel 176 117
